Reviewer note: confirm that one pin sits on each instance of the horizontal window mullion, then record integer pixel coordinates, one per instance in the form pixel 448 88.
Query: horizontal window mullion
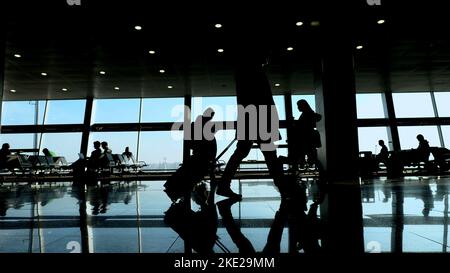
pixel 64 128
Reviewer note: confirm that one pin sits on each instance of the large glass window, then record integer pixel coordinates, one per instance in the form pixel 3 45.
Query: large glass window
pixel 443 103
pixel 20 141
pixel 446 134
pixel 224 138
pixel 413 105
pixel 162 110
pixel 368 139
pixel 311 99
pixel 63 144
pixel 22 112
pixel 279 103
pixel 370 106
pixel 162 149
pixel 225 107
pixel 116 111
pixel 65 112
pixel 408 136
pixel 117 141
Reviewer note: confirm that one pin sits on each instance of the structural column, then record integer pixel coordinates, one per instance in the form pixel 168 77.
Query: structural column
pixel 336 101
pixel 383 53
pixel 87 126
pixel 2 65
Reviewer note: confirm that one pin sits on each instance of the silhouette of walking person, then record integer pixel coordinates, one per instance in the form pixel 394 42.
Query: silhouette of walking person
pixel 203 145
pixel 257 119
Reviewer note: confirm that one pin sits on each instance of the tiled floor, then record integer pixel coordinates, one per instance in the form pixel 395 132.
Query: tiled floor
pixel 409 215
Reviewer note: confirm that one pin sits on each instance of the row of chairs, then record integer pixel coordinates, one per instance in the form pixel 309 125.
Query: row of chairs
pixel 25 164
pixel 118 163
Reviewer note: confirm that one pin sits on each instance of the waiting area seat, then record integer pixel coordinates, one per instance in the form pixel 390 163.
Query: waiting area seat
pixel 405 162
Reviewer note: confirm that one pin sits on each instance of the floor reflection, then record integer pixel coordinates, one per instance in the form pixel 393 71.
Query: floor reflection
pixel 408 215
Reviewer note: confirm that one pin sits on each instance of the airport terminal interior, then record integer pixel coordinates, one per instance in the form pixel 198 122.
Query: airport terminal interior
pixel 131 77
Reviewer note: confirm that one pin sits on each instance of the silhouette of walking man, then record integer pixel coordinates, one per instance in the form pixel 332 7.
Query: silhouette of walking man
pixel 257 118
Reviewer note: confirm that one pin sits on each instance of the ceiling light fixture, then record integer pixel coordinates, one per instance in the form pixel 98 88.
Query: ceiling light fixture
pixel 44 74
pixel 12 91
pixel 220 50
pixel 137 27
pixel 218 25
pixel 162 71
pixel 315 23
pixel 170 86
pixel 151 52
pixel 359 47
pixel 299 24
pixel 102 73
pixel 290 48
pixel 381 22
pixel 277 84
pixel 116 88
pixel 65 89
pixel 17 55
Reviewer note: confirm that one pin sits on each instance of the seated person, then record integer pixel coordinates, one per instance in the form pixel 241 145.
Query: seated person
pixel 48 153
pixel 423 150
pixel 94 160
pixel 107 153
pixel 383 155
pixel 128 155
pixel 4 154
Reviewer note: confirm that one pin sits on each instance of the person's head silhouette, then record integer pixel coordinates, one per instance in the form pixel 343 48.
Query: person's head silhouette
pixel 381 142
pixel 5 146
pixel 420 137
pixel 105 145
pixel 303 106
pixel 96 145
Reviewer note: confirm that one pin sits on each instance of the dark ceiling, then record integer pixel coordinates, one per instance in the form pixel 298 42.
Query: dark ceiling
pixel 72 44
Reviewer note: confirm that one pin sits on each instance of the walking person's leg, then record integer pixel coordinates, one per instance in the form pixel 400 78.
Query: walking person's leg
pixel 243 148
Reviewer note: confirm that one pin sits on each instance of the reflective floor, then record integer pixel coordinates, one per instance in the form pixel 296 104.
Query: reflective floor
pixel 408 215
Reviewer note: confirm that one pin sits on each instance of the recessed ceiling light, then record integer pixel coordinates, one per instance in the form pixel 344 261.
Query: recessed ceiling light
pixel 17 55
pixel 315 23
pixel 151 52
pixel 102 72
pixel 65 89
pixel 290 48
pixel 218 25
pixel 137 27
pixel 170 86
pixel 277 84
pixel 359 47
pixel 220 50
pixel 162 71
pixel 116 88
pixel 12 91
pixel 44 74
pixel 380 22
pixel 299 24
